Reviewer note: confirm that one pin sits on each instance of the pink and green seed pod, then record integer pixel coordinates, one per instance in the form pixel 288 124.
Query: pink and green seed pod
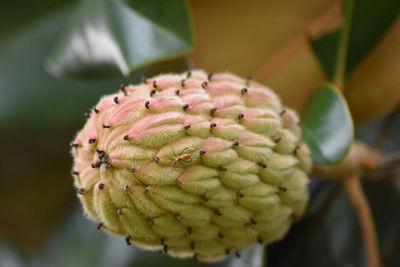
pixel 191 164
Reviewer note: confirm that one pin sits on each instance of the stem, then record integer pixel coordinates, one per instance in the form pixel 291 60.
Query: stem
pixel 326 21
pixel 340 70
pixel 363 211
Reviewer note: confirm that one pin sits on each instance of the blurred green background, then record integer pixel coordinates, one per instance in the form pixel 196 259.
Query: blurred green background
pixel 41 222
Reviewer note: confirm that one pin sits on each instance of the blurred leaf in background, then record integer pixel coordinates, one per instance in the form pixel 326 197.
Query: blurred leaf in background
pixel 106 35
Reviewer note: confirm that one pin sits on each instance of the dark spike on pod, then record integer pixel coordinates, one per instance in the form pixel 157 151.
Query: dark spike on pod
pixel 147 104
pixel 262 164
pixel 74 145
pixel 188 74
pixel 99 226
pixel 155 84
pixel 185 107
pixel 96 164
pixel 126 137
pixel 282 112
pixel 282 188
pixel 177 92
pixel 222 168
pixel 217 212
pixel 209 76
pixel 106 126
pixel 100 152
pixel 152 93
pixel 74 173
pixel 95 110
pixel 213 125
pixel 116 101
pixel 107 164
pixel 120 212
pixel 128 240
pixel 205 198
pixel 156 159
pixel 80 191
pixel 187 127
pixel 123 89
pixel 101 186
pixel 202 152
pixel 296 149
pixel 204 85
pixel 244 91
pixel 183 83
pixel 240 116
pixel 235 143
pixel 91 140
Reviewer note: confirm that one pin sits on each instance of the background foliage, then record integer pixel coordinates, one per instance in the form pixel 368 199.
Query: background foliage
pixel 41 222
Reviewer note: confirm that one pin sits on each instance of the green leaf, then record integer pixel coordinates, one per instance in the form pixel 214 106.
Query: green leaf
pixel 29 96
pixel 327 125
pixel 367 21
pixel 107 35
pixel 14 16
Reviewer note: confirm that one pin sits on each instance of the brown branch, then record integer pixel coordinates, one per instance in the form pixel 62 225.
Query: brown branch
pixel 326 21
pixel 363 211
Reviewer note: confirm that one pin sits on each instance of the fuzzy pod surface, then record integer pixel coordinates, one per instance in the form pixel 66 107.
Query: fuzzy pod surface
pixel 193 164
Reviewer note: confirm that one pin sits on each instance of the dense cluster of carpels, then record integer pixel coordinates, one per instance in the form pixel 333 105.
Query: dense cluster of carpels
pixel 193 165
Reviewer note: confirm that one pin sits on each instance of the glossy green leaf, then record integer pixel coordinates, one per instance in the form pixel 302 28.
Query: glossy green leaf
pixel 106 35
pixel 31 97
pixel 327 125
pixel 367 21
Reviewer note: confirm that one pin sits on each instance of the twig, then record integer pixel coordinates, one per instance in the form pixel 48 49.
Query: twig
pixel 341 61
pixel 363 211
pixel 327 20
